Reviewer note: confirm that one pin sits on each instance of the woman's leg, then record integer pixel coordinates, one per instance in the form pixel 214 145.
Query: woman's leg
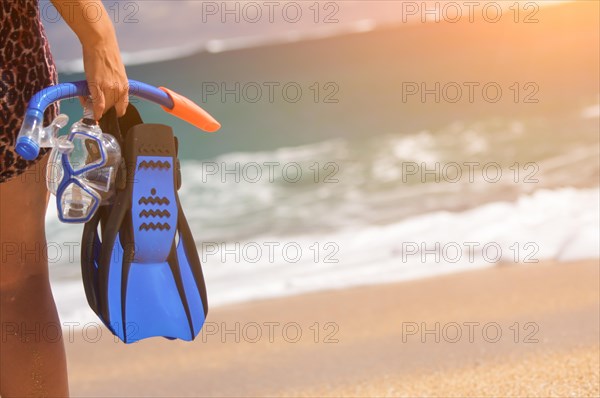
pixel 32 354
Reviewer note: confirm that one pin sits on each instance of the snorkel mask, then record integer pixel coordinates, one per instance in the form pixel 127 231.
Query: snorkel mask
pixel 81 171
pixel 84 164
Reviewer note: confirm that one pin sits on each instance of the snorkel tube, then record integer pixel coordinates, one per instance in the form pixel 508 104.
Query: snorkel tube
pixel 33 135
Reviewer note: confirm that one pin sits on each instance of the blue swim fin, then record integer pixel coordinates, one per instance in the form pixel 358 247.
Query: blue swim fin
pixel 140 265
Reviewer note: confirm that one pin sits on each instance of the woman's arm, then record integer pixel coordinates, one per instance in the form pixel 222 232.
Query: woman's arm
pixel 104 69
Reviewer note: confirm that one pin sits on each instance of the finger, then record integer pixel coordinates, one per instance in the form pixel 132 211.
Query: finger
pixel 111 95
pixel 99 105
pixel 122 101
pixel 94 90
pixel 97 98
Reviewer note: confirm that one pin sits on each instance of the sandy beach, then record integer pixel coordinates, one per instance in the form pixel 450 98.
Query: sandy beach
pixel 504 331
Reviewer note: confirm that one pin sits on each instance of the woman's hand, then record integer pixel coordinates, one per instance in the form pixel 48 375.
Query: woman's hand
pixel 104 69
pixel 106 77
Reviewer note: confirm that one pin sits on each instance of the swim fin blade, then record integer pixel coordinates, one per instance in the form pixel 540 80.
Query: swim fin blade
pixel 140 265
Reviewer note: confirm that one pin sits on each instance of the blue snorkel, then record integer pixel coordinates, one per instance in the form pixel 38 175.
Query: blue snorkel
pixel 33 135
pixel 85 162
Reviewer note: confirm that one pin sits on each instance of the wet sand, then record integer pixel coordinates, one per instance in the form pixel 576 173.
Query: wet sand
pixel 504 331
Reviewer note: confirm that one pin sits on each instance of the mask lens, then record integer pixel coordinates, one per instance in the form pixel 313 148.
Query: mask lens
pixel 99 178
pixel 86 152
pixel 77 203
pixel 54 170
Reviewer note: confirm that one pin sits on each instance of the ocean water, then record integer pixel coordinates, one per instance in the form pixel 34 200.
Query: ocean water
pixel 354 182
pixel 365 212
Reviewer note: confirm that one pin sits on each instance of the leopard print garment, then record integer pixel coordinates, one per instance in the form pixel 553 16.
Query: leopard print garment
pixel 26 66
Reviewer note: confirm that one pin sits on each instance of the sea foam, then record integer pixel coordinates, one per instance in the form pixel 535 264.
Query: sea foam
pixel 560 225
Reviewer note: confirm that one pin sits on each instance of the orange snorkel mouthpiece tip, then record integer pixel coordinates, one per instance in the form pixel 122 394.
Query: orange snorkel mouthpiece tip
pixel 186 109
